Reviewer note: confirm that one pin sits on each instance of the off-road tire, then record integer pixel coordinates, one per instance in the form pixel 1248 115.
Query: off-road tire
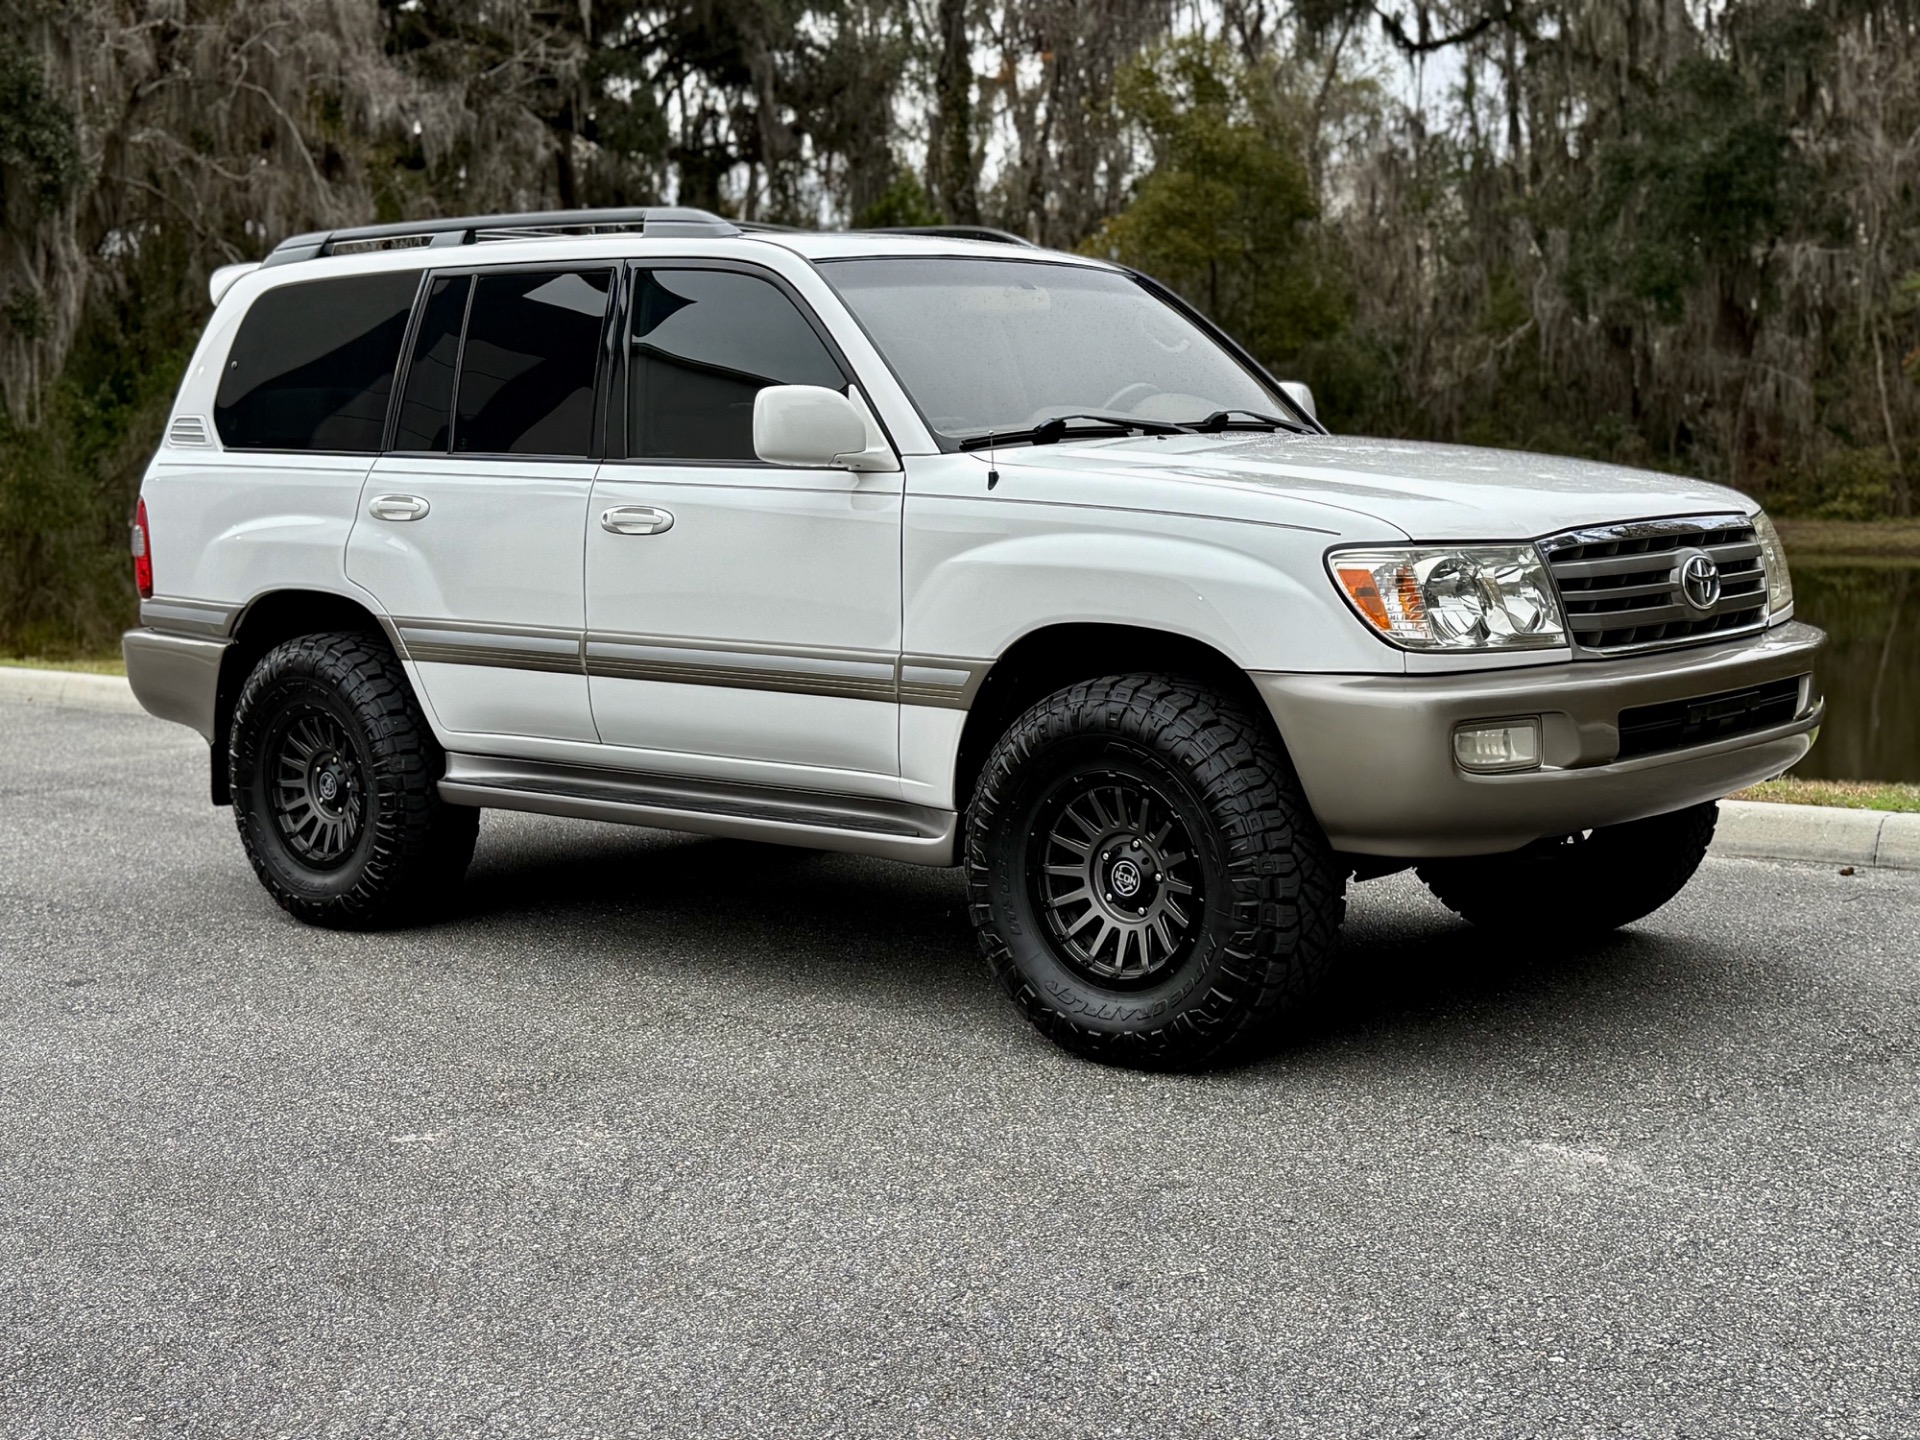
pixel 1270 894
pixel 1580 884
pixel 407 848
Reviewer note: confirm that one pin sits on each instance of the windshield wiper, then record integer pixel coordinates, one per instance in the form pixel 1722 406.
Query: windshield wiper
pixel 1050 432
pixel 1255 420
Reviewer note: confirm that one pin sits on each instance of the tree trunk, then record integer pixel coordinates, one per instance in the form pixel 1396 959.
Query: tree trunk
pixel 1902 494
pixel 955 186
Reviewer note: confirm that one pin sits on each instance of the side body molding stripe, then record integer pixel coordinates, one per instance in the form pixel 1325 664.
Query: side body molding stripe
pixel 448 642
pixel 848 674
pixel 198 618
pixel 944 682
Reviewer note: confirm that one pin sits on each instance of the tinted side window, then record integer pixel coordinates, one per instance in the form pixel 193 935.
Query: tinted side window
pixel 526 371
pixel 705 342
pixel 312 364
pixel 426 405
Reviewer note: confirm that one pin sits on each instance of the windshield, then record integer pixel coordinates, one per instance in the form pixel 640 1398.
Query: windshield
pixel 1005 345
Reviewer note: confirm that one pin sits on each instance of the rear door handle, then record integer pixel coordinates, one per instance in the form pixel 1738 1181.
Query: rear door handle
pixel 636 520
pixel 397 507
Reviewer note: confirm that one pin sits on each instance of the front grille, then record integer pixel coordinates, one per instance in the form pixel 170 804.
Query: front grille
pixel 1620 584
pixel 1676 724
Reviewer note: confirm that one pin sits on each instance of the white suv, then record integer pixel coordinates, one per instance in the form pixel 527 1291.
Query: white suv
pixel 935 547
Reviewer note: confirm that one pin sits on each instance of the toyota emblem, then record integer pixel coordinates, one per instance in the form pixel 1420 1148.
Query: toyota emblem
pixel 1699 581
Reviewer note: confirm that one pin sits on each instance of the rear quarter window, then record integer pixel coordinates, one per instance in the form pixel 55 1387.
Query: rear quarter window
pixel 312 365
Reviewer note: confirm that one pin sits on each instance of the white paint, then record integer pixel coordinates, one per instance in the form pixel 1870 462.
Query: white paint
pixel 757 557
pixel 500 544
pixel 810 425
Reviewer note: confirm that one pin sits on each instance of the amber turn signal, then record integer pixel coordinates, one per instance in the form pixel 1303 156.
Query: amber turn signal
pixel 1363 588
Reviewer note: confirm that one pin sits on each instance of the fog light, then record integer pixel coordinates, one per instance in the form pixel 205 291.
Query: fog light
pixel 1508 745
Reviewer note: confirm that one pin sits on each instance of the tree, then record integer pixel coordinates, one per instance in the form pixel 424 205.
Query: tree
pixel 1226 213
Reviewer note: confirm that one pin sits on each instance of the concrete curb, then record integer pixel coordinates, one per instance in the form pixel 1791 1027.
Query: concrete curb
pixel 1750 830
pixel 68 689
pixel 1827 835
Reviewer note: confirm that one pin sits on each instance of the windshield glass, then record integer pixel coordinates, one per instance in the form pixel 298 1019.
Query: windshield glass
pixel 999 345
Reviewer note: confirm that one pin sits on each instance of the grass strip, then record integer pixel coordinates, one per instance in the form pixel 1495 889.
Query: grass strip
pixel 91 665
pixel 1847 794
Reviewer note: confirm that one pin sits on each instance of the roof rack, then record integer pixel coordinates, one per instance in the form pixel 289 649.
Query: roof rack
pixel 662 220
pixel 956 232
pixel 948 232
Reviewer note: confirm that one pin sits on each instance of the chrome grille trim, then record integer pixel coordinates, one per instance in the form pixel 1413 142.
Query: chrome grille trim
pixel 1620 593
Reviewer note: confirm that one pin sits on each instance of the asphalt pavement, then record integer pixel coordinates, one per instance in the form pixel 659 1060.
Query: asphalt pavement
pixel 669 1136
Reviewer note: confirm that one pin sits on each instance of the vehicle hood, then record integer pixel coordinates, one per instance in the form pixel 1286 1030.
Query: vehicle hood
pixel 1429 491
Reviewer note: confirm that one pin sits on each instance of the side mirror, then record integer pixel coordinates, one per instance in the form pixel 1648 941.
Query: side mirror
pixel 807 425
pixel 1302 396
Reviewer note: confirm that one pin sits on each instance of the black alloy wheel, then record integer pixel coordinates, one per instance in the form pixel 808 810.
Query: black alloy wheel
pixel 1117 878
pixel 318 792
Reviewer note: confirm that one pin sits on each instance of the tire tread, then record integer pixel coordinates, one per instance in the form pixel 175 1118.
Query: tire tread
pixel 421 844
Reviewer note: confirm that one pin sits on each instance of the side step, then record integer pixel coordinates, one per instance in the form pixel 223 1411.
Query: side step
pixel 891 829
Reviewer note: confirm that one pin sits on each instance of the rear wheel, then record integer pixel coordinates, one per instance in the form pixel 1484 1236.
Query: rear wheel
pixel 1587 883
pixel 334 776
pixel 1145 878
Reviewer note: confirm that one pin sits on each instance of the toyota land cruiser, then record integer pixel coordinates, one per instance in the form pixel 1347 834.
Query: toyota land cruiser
pixel 936 547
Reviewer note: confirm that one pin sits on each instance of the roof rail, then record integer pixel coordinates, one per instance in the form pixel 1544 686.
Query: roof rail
pixel 664 220
pixel 957 232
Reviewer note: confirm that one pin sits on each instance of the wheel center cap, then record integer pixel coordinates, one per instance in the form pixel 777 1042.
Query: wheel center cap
pixel 329 785
pixel 1126 879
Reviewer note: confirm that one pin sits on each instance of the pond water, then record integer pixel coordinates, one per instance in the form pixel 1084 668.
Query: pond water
pixel 1870 669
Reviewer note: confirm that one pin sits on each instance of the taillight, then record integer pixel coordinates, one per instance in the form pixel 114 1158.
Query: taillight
pixel 142 554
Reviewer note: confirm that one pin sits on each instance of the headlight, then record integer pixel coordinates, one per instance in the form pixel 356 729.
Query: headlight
pixel 1773 555
pixel 1481 597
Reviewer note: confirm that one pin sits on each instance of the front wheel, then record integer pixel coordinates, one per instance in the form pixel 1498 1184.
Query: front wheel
pixel 1587 883
pixel 334 777
pixel 1145 877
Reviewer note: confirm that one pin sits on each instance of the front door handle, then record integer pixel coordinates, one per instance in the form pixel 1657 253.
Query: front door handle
pixel 636 520
pixel 397 507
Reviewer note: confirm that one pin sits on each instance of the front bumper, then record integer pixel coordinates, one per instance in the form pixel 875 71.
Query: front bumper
pixel 175 677
pixel 1375 752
